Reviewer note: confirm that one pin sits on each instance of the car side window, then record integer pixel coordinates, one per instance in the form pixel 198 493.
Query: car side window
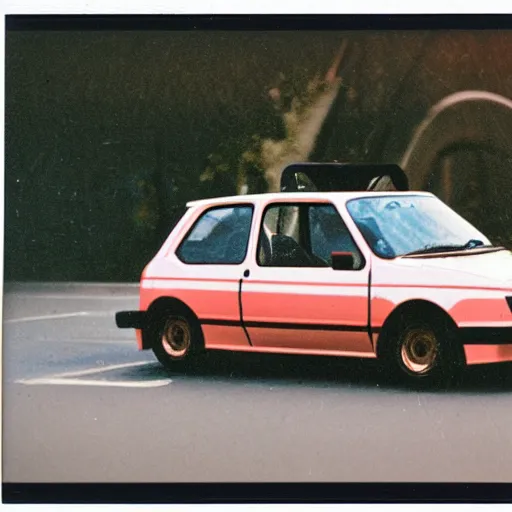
pixel 220 236
pixel 328 233
pixel 279 243
pixel 304 235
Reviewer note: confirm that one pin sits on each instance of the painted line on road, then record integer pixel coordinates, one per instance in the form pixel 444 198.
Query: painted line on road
pixel 86 341
pixel 45 317
pixel 71 378
pixel 71 296
pixel 71 284
pixel 58 316
pixel 107 383
pixel 101 369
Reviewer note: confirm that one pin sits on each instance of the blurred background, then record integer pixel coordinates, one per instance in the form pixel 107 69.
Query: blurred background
pixel 110 132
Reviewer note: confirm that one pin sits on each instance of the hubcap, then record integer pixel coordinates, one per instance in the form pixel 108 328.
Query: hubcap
pixel 419 350
pixel 176 337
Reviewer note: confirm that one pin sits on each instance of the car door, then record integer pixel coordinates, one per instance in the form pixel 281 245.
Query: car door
pixel 292 299
pixel 207 268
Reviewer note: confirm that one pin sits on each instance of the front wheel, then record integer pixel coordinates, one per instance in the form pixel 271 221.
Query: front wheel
pixel 426 354
pixel 177 340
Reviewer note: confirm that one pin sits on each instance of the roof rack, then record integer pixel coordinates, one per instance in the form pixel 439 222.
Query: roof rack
pixel 338 177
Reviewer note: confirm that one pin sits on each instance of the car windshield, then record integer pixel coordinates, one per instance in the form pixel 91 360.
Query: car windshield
pixel 400 225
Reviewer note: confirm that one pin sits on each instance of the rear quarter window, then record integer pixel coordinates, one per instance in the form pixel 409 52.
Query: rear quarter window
pixel 220 236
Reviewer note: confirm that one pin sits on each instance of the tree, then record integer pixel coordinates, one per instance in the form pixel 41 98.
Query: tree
pixel 246 163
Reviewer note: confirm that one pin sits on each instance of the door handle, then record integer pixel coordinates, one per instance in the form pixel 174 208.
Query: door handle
pixel 247 273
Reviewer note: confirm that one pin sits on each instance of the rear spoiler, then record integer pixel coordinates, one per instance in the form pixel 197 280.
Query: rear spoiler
pixel 339 177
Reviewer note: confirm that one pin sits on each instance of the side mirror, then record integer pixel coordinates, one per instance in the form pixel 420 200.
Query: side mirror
pixel 342 260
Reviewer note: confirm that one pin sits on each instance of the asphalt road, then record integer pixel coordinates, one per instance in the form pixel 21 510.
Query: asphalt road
pixel 117 416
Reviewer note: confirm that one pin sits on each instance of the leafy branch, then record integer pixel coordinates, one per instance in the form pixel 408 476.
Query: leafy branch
pixel 245 163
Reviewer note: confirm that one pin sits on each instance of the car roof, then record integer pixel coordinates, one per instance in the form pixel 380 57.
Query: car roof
pixel 299 197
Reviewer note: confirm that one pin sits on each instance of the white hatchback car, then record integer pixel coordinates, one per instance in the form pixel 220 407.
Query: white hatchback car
pixel 397 276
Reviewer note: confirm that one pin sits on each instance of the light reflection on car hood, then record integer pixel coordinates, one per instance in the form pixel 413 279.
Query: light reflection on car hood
pixel 495 266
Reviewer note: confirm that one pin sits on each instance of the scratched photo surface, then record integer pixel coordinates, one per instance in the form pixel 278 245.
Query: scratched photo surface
pixel 110 133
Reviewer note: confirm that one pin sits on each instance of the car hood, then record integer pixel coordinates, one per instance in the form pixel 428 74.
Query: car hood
pixel 489 268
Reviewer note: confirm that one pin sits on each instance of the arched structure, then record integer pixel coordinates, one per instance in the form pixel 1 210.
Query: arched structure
pixel 462 151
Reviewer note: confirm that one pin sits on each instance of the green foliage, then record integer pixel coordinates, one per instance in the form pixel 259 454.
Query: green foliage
pixel 145 215
pixel 240 162
pixel 236 160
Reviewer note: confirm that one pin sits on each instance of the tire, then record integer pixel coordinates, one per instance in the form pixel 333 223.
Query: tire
pixel 426 354
pixel 177 339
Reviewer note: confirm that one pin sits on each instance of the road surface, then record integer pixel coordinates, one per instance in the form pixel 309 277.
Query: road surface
pixel 81 404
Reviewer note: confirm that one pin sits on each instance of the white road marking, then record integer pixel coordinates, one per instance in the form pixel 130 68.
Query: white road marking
pixel 58 316
pixel 70 378
pixel 71 296
pixel 101 369
pixel 70 284
pixel 108 383
pixel 87 341
pixel 45 317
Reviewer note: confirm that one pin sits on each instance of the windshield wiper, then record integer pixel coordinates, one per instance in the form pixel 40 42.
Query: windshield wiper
pixel 429 249
pixel 436 248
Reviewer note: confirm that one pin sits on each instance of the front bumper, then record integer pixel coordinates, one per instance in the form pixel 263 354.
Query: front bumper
pixel 487 344
pixel 131 319
pixel 486 335
pixel 485 354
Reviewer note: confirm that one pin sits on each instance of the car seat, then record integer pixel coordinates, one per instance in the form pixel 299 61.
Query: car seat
pixel 286 252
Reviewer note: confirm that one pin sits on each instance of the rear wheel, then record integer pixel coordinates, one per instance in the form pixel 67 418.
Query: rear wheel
pixel 177 338
pixel 426 353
